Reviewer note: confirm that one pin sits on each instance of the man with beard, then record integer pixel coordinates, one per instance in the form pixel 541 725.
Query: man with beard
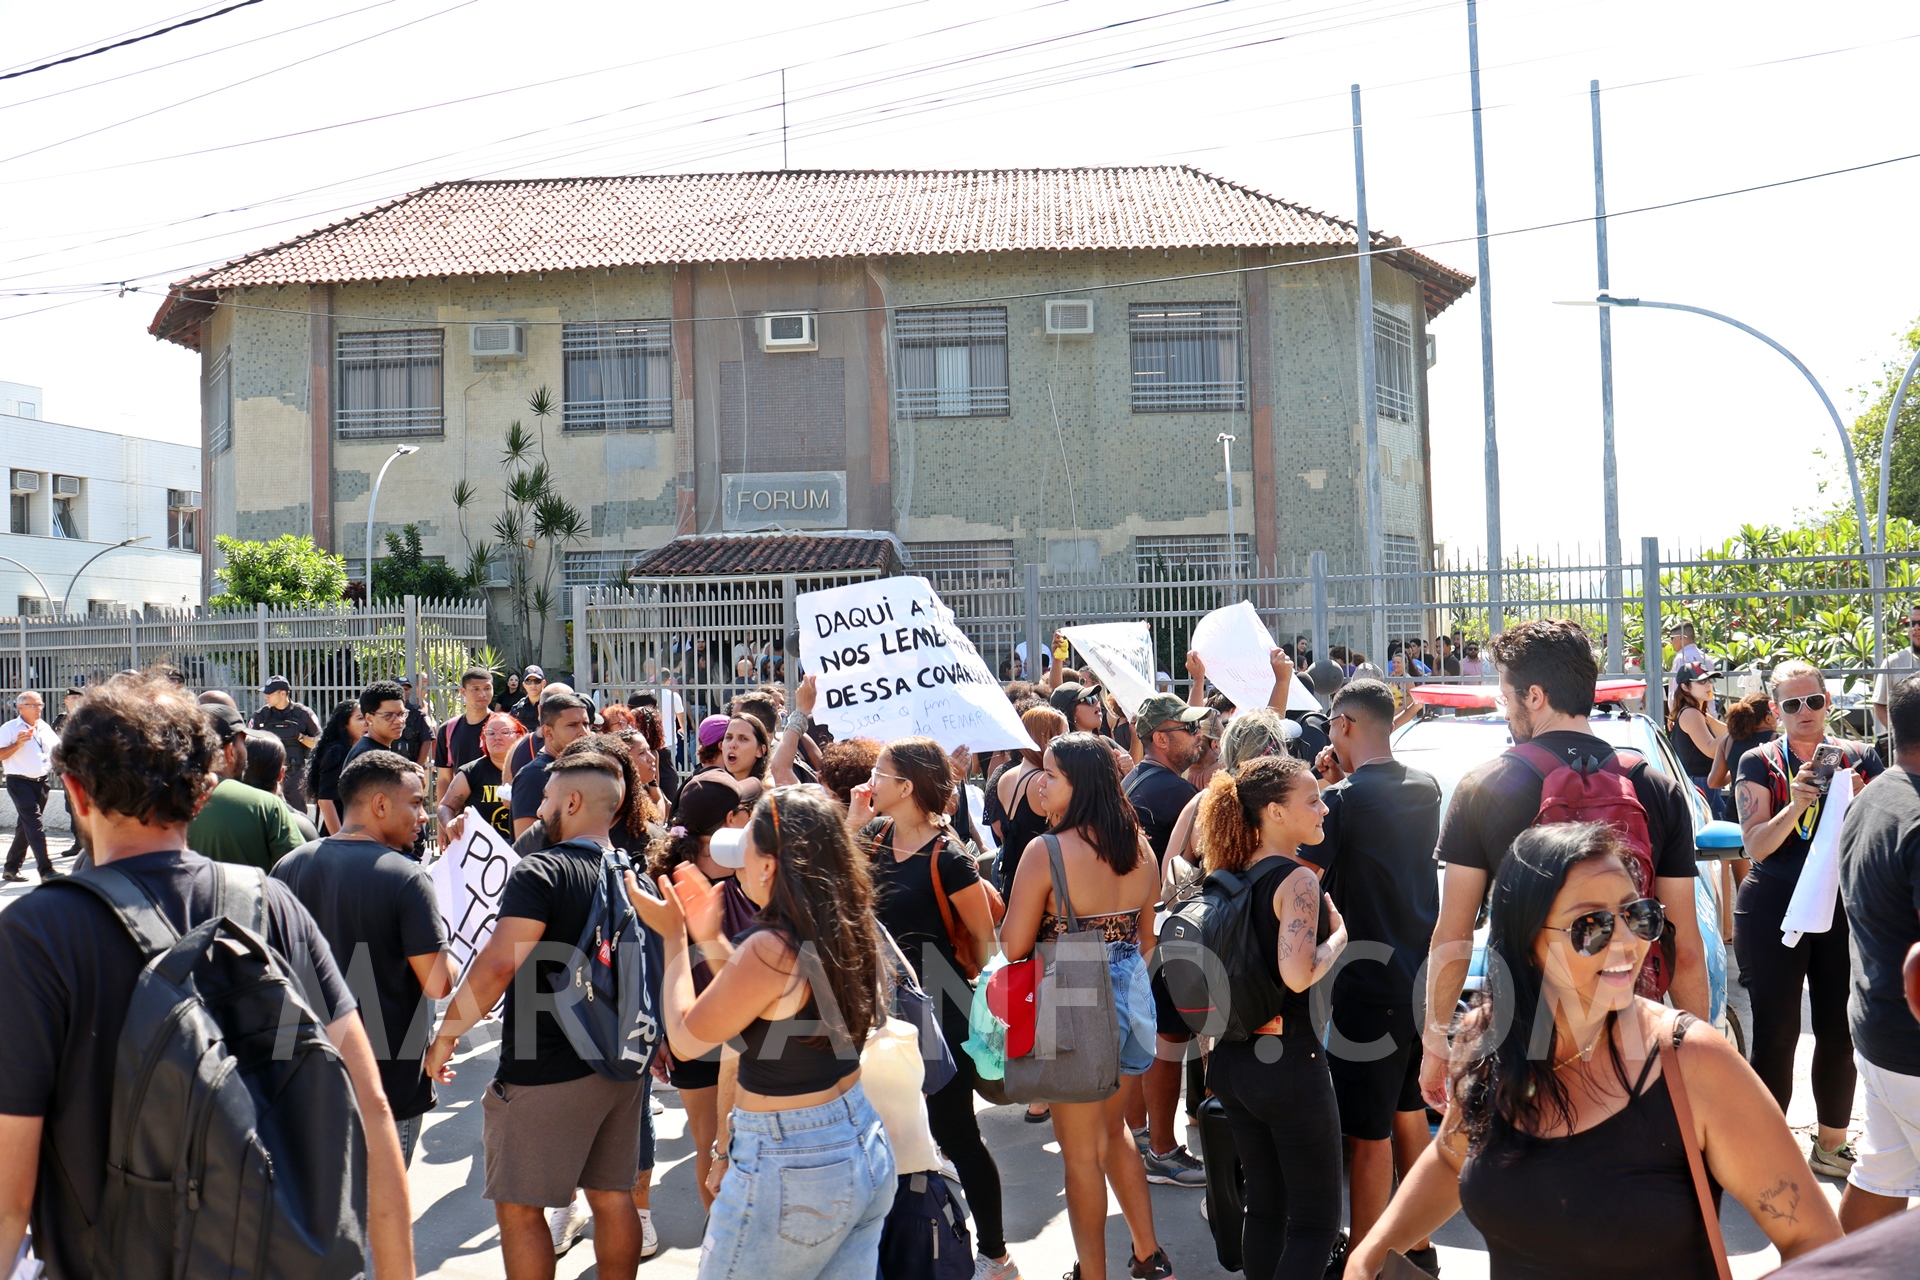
pixel 1547 675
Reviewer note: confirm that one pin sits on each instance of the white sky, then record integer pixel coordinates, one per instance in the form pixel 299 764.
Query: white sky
pixel 1714 429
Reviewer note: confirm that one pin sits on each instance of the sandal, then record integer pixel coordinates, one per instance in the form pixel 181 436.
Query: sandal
pixel 1037 1117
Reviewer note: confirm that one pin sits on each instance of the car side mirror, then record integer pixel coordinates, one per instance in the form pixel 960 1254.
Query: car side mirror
pixel 1718 836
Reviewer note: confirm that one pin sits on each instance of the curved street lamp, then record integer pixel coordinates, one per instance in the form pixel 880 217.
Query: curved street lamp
pixel 44 591
pixel 399 451
pixel 75 580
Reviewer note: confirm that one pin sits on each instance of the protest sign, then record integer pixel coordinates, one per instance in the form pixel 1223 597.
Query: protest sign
pixel 891 663
pixel 468 880
pixel 1237 648
pixel 1121 654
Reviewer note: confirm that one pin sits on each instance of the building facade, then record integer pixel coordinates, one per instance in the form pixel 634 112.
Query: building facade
pixel 74 493
pixel 997 366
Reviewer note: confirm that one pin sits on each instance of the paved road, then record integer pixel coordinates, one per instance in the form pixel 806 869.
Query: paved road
pixel 455 1235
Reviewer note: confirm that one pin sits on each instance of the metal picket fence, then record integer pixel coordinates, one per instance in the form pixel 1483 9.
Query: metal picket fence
pixel 328 655
pixel 692 633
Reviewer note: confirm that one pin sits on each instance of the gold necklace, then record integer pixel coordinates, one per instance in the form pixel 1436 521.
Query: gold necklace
pixel 1582 1053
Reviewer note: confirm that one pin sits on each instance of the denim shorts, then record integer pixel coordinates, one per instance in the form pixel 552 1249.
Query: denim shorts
pixel 806 1194
pixel 1133 1002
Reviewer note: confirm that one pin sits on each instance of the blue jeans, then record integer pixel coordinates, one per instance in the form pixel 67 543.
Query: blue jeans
pixel 409 1137
pixel 1133 1002
pixel 805 1195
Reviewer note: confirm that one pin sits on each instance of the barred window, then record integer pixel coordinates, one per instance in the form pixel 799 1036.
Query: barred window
pixel 596 568
pixel 1192 555
pixel 1393 368
pixel 952 364
pixel 1186 357
pixel 390 384
pixel 220 405
pixel 981 562
pixel 1400 557
pixel 619 375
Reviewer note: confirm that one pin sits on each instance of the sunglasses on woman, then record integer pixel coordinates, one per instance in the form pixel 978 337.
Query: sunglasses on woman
pixel 1812 702
pixel 1591 933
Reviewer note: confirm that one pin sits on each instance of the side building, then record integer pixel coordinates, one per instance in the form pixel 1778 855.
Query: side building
pixel 998 366
pixel 75 494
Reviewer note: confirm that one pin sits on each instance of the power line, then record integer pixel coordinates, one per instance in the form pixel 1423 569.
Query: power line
pixel 121 44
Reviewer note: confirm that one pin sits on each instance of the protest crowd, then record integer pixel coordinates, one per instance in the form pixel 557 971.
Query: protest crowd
pixel 1222 940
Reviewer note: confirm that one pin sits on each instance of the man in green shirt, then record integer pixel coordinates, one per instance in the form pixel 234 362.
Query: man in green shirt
pixel 239 823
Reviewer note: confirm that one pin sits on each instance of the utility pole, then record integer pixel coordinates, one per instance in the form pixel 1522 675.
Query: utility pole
pixel 1369 392
pixel 1495 587
pixel 1609 469
pixel 1233 549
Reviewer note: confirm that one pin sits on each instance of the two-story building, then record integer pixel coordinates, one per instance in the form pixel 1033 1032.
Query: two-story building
pixel 999 366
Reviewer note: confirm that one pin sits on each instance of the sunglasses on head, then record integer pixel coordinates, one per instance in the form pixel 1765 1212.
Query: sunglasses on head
pixel 1812 702
pixel 1591 933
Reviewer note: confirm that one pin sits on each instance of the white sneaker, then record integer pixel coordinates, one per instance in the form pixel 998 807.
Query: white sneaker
pixel 649 1238
pixel 569 1223
pixel 659 1107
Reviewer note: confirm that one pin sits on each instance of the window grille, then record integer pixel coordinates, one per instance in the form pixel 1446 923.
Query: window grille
pixel 390 384
pixel 596 568
pixel 220 405
pixel 1186 357
pixel 952 364
pixel 619 375
pixel 1400 558
pixel 987 562
pixel 1394 377
pixel 1202 555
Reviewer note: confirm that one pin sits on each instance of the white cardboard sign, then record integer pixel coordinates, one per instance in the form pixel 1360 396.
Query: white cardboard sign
pixel 1238 648
pixel 1121 654
pixel 891 663
pixel 468 880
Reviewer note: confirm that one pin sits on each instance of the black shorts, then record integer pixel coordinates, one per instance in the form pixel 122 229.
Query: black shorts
pixel 701 1073
pixel 1370 1092
pixel 1166 1018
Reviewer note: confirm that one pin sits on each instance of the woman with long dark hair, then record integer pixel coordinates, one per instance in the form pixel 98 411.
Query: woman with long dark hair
pixel 1024 821
pixel 1694 730
pixel 745 747
pixel 1275 1085
pixel 345 727
pixel 1113 880
pixel 810 1177
pixel 922 877
pixel 1562 1140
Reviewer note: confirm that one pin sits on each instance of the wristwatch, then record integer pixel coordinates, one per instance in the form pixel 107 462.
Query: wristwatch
pixel 718 1153
pixel 798 722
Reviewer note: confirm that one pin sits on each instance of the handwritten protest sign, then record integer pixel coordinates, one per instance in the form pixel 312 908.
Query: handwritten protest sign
pixel 892 663
pixel 468 880
pixel 1121 654
pixel 1238 648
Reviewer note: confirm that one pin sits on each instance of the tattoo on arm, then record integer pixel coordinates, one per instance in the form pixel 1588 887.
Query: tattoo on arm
pixel 1740 803
pixel 1782 1203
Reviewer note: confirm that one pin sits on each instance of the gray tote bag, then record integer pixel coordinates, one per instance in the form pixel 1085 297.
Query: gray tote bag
pixel 1076 1043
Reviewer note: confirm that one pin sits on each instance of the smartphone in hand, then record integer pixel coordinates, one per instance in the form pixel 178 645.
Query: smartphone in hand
pixel 1826 758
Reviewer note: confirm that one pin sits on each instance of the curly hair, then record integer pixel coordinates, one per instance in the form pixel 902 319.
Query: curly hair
pixel 636 807
pixel 140 747
pixel 845 765
pixel 1230 808
pixel 1745 717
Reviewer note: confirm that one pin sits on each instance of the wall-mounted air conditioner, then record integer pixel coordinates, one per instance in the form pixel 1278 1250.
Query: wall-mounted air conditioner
pixel 1069 317
pixel 35 607
pixel 498 341
pixel 788 331
pixel 26 482
pixel 183 499
pixel 66 486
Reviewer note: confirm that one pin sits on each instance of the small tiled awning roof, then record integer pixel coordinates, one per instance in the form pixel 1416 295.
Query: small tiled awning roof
pixel 560 224
pixel 761 554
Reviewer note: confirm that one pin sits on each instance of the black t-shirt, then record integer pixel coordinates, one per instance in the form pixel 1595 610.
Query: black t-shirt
pixel 1500 799
pixel 1772 766
pixel 1158 795
pixel 457 742
pixel 361 748
pixel 1880 885
pixel 1381 826
pixel 554 886
pixel 68 968
pixel 289 724
pixel 523 751
pixel 487 794
pixel 326 772
pixel 903 892
pixel 416 735
pixel 527 713
pixel 376 908
pixel 530 786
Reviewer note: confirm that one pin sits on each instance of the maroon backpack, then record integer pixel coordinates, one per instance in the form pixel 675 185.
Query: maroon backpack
pixel 1602 791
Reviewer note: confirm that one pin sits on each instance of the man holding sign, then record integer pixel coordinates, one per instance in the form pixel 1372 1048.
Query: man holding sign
pixel 376 907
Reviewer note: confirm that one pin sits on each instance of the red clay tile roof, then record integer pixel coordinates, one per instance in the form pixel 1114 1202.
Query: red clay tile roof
pixel 517 225
pixel 764 553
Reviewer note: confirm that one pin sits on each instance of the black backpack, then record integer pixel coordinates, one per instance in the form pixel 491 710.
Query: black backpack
pixel 235 1147
pixel 612 1017
pixel 925 1234
pixel 1212 963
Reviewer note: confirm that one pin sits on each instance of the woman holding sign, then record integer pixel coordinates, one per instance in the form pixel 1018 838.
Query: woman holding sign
pixel 1112 878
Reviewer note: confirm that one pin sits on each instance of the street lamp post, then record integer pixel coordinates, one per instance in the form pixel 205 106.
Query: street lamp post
pixel 399 451
pixel 75 580
pixel 1233 551
pixel 1868 546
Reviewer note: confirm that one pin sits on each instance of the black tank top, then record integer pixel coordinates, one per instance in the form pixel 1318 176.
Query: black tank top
pixel 1295 1007
pixel 800 1060
pixel 1562 1208
pixel 1696 762
pixel 1021 827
